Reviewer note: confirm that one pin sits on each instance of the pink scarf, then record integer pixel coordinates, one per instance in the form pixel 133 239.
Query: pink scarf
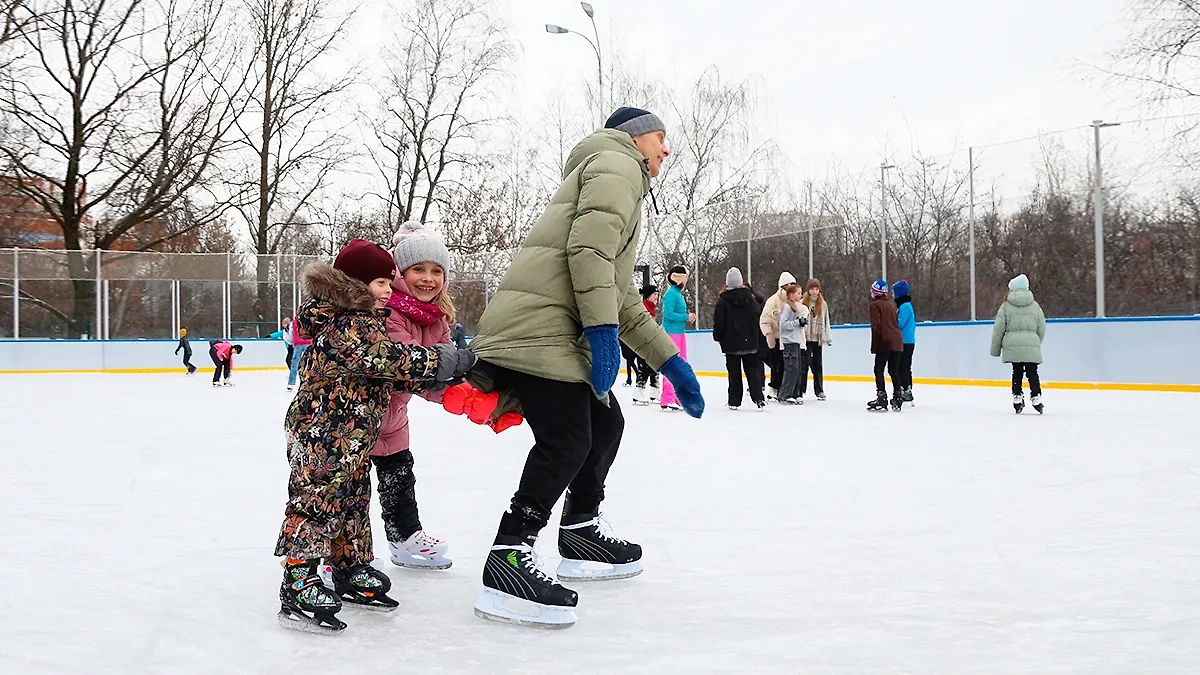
pixel 423 313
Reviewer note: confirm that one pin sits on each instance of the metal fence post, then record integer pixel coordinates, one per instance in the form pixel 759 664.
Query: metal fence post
pixel 96 334
pixel 227 301
pixel 16 293
pixel 971 223
pixel 278 290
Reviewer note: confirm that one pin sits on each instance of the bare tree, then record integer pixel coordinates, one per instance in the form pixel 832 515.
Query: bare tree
pixel 285 128
pixel 289 130
pixel 452 54
pixel 715 163
pixel 118 111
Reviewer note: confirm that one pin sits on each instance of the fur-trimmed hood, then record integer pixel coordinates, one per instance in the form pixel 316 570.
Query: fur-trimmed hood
pixel 332 292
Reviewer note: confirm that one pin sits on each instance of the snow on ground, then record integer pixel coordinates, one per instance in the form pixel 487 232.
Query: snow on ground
pixel 139 514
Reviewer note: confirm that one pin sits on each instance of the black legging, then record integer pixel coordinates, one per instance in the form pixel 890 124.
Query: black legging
pixel 397 495
pixel 906 366
pixel 776 364
pixel 812 360
pixel 1023 370
pixel 630 364
pixel 892 361
pixel 221 366
pixel 290 352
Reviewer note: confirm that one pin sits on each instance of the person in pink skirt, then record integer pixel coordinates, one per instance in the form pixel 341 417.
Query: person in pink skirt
pixel 675 319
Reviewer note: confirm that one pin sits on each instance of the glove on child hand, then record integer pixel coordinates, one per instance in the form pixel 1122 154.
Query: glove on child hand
pixel 453 363
pixel 606 356
pixel 687 388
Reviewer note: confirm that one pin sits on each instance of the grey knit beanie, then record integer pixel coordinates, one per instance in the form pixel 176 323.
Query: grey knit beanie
pixel 635 121
pixel 733 278
pixel 416 244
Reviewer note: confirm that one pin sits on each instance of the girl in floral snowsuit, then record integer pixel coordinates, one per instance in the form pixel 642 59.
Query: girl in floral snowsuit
pixel 348 376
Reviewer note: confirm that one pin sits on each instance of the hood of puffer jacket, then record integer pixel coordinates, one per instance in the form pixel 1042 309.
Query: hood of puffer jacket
pixel 740 297
pixel 334 293
pixel 607 139
pixel 1022 298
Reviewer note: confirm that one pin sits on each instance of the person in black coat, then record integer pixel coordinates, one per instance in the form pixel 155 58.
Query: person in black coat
pixel 735 327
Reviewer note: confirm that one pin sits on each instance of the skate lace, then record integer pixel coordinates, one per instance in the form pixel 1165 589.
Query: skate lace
pixel 424 539
pixel 532 562
pixel 604 531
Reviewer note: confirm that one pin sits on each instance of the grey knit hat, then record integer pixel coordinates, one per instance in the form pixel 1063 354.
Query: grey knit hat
pixel 733 278
pixel 415 244
pixel 635 121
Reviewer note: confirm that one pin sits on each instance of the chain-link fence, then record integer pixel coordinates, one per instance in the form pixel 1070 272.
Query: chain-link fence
pixel 116 294
pixel 124 295
pixel 1104 219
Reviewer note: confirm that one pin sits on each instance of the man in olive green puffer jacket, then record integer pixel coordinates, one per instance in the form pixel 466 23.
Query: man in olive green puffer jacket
pixel 549 339
pixel 1017 337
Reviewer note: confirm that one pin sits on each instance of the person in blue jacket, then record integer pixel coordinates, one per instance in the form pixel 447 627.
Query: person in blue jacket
pixel 906 316
pixel 675 318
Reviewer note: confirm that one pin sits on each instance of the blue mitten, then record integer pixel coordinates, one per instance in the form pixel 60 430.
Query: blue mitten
pixel 606 356
pixel 687 388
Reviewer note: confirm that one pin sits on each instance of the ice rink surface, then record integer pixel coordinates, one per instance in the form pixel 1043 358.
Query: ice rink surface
pixel 139 514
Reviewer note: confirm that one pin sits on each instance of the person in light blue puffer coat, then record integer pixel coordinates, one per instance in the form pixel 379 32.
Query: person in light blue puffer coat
pixel 1017 338
pixel 906 316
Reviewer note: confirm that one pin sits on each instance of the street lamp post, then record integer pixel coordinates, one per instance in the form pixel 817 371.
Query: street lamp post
pixel 554 29
pixel 1098 212
pixel 883 168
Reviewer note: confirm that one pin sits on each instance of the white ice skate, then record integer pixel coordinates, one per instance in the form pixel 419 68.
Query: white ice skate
pixel 655 393
pixel 421 551
pixel 671 407
pixel 226 383
pixel 640 397
pixel 772 394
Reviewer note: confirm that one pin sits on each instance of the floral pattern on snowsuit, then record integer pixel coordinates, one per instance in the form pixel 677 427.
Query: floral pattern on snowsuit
pixel 348 375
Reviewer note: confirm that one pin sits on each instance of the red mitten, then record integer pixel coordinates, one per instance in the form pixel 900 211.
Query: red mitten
pixel 480 406
pixel 455 398
pixel 505 421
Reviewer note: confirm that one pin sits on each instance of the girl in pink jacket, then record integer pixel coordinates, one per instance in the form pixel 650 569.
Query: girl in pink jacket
pixel 422 314
pixel 221 353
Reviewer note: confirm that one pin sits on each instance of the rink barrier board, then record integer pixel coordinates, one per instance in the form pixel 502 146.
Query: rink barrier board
pixel 1124 354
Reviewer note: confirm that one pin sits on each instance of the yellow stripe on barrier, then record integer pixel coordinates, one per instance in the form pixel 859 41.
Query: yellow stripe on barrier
pixel 964 382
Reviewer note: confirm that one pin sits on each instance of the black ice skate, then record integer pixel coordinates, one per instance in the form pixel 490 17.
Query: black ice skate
pixel 907 395
pixel 363 586
pixel 590 553
pixel 1036 402
pixel 516 590
pixel 1018 403
pixel 897 402
pixel 306 604
pixel 880 404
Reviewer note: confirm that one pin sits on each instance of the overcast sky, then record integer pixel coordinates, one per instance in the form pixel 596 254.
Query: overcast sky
pixel 842 79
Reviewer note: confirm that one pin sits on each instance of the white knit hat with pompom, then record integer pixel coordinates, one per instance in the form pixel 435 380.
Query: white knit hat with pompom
pixel 417 244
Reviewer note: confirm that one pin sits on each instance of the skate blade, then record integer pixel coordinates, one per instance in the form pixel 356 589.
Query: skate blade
pixel 588 570
pixel 418 563
pixel 496 606
pixel 300 622
pixel 381 603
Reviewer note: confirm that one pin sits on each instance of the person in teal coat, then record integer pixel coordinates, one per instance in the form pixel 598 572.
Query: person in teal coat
pixel 675 318
pixel 906 317
pixel 1017 339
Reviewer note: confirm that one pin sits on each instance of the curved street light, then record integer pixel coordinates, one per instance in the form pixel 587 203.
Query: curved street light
pixel 554 29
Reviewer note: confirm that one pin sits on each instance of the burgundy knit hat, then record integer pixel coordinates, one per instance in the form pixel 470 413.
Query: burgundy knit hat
pixel 365 261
